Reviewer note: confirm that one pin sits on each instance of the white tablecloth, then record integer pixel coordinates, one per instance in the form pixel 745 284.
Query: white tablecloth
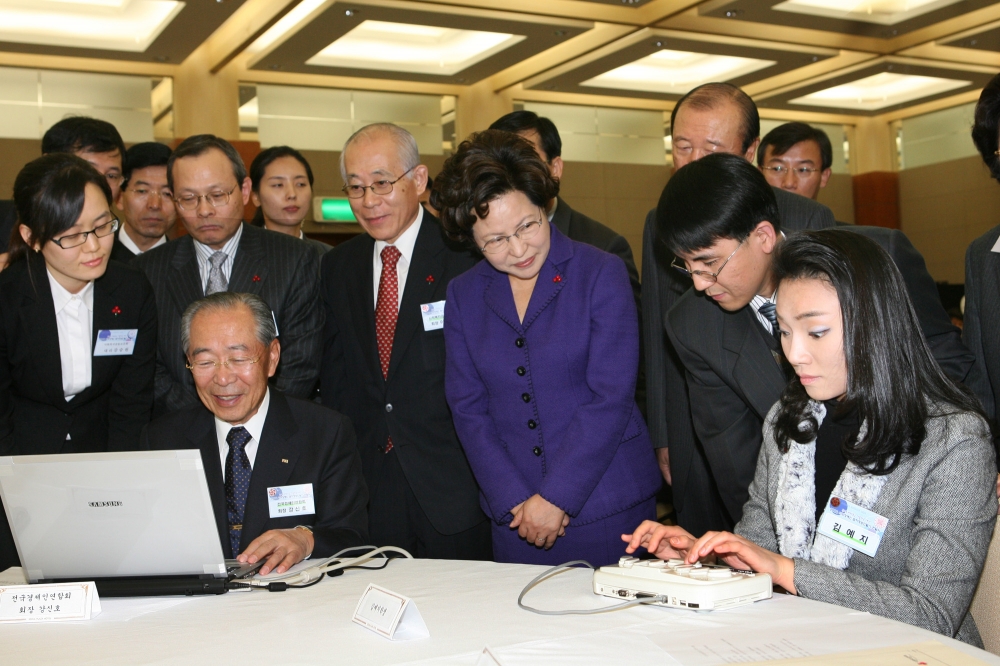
pixel 466 606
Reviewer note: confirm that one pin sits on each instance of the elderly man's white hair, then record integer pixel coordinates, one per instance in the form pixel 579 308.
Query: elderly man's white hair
pixel 406 144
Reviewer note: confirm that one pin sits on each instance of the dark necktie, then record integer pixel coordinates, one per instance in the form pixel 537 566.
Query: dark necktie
pixel 387 311
pixel 237 483
pixel 768 311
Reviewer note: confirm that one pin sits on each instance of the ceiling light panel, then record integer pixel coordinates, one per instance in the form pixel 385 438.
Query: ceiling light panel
pixel 676 72
pixel 420 49
pixel 117 25
pixel 882 12
pixel 879 91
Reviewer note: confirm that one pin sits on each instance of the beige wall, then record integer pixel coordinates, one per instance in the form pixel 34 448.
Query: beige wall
pixel 838 195
pixel 16 153
pixel 943 208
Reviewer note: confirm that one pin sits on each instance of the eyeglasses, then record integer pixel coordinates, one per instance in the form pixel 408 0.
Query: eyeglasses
pixel 524 232
pixel 379 187
pixel 705 275
pixel 801 172
pixel 240 365
pixel 191 201
pixel 76 240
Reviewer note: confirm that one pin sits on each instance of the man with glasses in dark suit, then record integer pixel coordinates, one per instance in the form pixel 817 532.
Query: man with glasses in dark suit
pixel 221 253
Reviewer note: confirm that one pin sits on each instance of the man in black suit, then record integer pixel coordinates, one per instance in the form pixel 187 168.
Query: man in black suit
pixel 383 362
pixel 542 134
pixel 721 219
pixel 283 474
pixel 715 117
pixel 147 209
pixel 220 253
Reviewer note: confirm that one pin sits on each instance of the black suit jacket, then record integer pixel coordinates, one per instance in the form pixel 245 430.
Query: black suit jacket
pixel 734 378
pixel 696 499
pixel 410 404
pixel 982 313
pixel 280 269
pixel 302 442
pixel 108 415
pixel 119 252
pixel 579 227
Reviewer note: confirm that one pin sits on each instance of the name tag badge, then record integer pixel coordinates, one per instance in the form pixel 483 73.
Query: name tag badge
pixel 115 342
pixel 390 615
pixel 852 526
pixel 433 314
pixel 285 501
pixel 49 603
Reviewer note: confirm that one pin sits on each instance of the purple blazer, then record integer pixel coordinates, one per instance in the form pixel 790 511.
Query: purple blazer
pixel 548 406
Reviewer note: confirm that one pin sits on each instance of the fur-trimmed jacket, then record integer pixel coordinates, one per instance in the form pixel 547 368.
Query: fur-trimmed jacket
pixel 941 506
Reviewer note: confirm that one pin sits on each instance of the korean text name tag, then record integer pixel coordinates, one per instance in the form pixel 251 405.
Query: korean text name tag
pixel 852 525
pixel 433 314
pixel 285 501
pixel 49 603
pixel 390 615
pixel 115 342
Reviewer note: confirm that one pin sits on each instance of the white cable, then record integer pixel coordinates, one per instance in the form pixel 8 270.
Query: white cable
pixel 590 611
pixel 308 575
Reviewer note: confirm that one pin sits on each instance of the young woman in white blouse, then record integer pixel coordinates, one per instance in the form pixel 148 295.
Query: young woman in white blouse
pixel 77 333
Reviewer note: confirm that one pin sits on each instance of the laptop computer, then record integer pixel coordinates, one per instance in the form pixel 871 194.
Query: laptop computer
pixel 137 523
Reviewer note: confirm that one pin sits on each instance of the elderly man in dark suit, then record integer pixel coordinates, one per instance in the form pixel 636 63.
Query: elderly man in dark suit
pixel 544 136
pixel 723 329
pixel 283 474
pixel 715 117
pixel 220 253
pixel 383 359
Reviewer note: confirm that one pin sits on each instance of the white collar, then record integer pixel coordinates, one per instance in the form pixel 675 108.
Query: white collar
pixel 996 246
pixel 61 296
pixel 407 240
pixel 255 426
pixel 127 241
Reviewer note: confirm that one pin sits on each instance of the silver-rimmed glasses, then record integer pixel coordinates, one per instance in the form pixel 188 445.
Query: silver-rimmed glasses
pixel 705 275
pixel 379 187
pixel 800 172
pixel 191 201
pixel 524 232
pixel 240 365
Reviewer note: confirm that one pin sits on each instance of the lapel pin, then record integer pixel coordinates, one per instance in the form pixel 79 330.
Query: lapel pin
pixel 557 278
pixel 116 311
pixel 284 460
pixel 430 279
pixel 256 278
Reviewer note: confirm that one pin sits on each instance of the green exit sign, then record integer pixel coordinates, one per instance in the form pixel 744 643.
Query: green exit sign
pixel 335 210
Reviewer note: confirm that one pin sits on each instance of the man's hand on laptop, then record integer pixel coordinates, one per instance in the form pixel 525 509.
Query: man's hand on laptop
pixel 282 548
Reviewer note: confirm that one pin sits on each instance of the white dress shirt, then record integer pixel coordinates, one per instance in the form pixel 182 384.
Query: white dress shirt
pixel 758 301
pixel 127 241
pixel 203 252
pixel 255 426
pixel 404 244
pixel 75 322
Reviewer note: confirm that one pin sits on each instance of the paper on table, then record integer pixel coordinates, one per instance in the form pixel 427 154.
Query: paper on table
pixel 930 653
pixel 123 609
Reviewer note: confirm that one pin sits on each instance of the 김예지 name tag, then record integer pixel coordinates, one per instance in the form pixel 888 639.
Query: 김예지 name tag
pixel 389 614
pixel 852 525
pixel 115 342
pixel 284 501
pixel 433 314
pixel 49 603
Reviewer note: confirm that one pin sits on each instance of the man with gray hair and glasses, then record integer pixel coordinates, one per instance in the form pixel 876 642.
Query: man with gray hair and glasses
pixel 383 353
pixel 221 253
pixel 283 474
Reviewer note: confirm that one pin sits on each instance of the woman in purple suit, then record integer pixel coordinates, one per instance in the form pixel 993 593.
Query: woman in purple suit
pixel 542 344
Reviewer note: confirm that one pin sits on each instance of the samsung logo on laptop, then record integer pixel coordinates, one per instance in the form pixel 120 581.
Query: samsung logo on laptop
pixel 102 505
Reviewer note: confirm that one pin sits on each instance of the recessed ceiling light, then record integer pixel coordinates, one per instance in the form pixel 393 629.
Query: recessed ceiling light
pixel 676 72
pixel 117 25
pixel 883 12
pixel 405 47
pixel 879 91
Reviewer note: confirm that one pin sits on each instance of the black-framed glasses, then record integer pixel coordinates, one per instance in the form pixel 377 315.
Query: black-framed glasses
pixel 705 275
pixel 240 365
pixel 781 170
pixel 76 240
pixel 498 244
pixel 191 201
pixel 379 187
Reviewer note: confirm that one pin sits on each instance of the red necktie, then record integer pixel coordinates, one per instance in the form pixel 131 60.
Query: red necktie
pixel 387 311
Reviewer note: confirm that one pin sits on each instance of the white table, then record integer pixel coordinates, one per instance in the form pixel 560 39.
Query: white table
pixel 466 606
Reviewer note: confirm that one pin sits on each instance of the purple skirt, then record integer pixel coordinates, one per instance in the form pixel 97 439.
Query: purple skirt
pixel 599 543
